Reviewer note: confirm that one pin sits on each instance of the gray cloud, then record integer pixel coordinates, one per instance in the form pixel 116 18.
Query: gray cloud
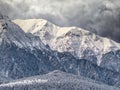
pixel 99 16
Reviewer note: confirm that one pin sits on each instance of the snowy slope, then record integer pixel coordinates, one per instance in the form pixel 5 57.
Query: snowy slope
pixel 56 80
pixel 80 43
pixel 21 54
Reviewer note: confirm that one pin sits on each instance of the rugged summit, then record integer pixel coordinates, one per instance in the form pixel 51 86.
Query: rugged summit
pixel 79 42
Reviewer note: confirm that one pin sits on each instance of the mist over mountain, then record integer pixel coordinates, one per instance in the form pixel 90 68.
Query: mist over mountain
pixel 101 17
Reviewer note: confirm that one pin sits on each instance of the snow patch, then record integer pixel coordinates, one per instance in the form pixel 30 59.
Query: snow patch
pixel 24 82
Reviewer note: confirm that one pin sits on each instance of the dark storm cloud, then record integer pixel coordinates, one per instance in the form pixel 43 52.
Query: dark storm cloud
pixel 99 16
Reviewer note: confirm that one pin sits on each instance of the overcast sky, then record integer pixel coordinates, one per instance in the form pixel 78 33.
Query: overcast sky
pixel 99 16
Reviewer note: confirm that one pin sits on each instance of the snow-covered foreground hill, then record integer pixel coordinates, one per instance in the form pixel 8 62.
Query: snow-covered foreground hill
pixel 79 42
pixel 56 80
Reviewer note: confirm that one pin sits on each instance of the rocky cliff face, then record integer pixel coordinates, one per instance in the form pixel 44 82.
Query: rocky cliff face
pixel 22 54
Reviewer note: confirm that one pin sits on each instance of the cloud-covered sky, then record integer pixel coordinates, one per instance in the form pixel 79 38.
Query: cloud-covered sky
pixel 99 16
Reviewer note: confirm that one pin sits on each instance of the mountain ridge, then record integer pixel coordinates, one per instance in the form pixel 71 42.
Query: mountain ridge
pixel 75 40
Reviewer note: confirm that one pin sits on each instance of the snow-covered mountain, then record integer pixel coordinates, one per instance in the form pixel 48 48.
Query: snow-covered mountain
pixel 56 80
pixel 79 42
pixel 25 53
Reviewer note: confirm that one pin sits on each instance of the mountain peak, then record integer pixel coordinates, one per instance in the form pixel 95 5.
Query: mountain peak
pixel 69 39
pixel 33 23
pixel 12 33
